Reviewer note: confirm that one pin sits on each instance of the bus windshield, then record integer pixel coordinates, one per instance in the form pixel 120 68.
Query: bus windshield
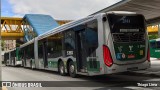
pixel 128 35
pixel 124 23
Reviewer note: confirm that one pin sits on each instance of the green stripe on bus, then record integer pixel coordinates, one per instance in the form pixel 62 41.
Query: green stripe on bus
pixel 93 66
pixel 53 64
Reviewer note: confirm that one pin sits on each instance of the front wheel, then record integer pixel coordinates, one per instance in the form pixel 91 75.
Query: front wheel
pixel 72 69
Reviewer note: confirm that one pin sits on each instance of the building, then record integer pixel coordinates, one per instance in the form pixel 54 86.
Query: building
pixel 9 44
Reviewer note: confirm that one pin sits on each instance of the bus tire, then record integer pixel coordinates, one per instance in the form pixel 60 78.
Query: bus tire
pixel 32 65
pixel 61 68
pixel 72 69
pixel 22 63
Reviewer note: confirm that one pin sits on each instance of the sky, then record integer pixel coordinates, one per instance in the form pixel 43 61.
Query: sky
pixel 58 9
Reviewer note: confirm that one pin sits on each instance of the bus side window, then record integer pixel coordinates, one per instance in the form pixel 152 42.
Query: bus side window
pixel 158 44
pixel 91 37
pixel 54 47
pixel 40 50
pixel 69 42
pixel 153 44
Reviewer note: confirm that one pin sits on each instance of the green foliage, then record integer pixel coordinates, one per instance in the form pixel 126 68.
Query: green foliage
pixel 153 36
pixel 17 44
pixel 2 44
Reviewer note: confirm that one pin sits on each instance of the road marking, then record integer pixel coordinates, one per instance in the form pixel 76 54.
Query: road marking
pixel 4 88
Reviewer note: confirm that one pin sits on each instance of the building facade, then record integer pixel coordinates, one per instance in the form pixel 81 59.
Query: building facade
pixel 9 44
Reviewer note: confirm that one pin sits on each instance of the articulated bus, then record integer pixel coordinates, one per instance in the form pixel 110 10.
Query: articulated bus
pixel 27 54
pixel 101 44
pixel 6 58
pixel 12 57
pixel 155 48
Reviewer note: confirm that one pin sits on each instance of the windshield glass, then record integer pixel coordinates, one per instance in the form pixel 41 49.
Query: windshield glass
pixel 126 23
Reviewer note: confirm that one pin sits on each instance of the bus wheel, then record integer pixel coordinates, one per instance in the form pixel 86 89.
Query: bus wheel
pixel 72 69
pixel 22 63
pixel 32 66
pixel 61 68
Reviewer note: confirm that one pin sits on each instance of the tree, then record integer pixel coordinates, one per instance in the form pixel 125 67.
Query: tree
pixel 153 36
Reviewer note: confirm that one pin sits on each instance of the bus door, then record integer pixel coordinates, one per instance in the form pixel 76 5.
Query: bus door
pixel 80 51
pixel 45 54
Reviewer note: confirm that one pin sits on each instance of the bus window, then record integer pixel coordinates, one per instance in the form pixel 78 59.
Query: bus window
pixel 158 44
pixel 124 24
pixel 127 28
pixel 69 40
pixel 153 44
pixel 54 46
pixel 40 50
pixel 91 37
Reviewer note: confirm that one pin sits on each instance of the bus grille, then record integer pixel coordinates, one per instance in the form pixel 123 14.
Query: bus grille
pixel 129 37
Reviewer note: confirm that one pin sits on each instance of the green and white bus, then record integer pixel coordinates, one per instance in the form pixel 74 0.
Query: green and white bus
pixel 101 44
pixel 27 54
pixel 155 48
pixel 12 57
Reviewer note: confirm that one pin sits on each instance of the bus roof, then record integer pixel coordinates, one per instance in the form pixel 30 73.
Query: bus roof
pixel 66 26
pixel 77 22
pixel 27 43
pixel 121 12
pixel 9 50
pixel 154 40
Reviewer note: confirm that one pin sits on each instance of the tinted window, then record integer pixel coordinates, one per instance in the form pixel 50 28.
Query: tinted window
pixel 91 38
pixel 30 51
pixel 40 49
pixel 124 23
pixel 158 44
pixel 91 34
pixel 153 44
pixel 13 53
pixel 69 40
pixel 54 46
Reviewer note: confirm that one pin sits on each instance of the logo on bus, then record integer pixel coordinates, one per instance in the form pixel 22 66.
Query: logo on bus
pixel 131 56
pixel 141 52
pixel 130 48
pixel 123 55
pixel 120 48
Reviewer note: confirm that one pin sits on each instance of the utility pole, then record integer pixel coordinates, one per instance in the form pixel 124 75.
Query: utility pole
pixel 0 59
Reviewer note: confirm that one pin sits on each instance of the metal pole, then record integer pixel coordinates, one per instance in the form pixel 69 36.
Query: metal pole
pixel 0 55
pixel 0 59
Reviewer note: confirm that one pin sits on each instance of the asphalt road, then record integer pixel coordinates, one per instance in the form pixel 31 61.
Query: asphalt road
pixel 121 81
